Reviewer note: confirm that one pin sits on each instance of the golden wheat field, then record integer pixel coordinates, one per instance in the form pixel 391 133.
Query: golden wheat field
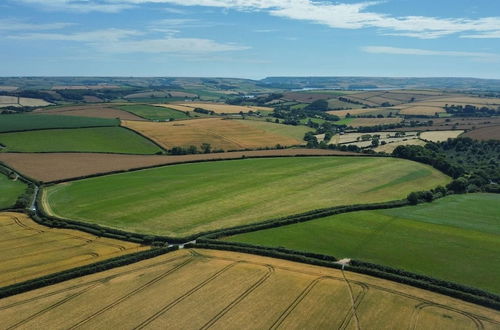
pixel 438 136
pixel 201 289
pixel 215 107
pixel 219 133
pixel 29 250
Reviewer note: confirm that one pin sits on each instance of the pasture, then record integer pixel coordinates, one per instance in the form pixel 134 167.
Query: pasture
pixel 10 190
pixel 456 238
pixel 199 289
pixel 153 112
pixel 220 133
pixel 360 122
pixel 29 250
pixel 181 200
pixel 27 122
pixel 98 139
pixel 48 167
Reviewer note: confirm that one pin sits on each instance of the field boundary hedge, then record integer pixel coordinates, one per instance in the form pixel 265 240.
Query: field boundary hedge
pixel 82 271
pixel 162 148
pixel 447 288
pixel 94 175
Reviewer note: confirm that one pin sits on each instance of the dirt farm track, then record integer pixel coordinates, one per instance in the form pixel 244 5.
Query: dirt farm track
pixel 201 289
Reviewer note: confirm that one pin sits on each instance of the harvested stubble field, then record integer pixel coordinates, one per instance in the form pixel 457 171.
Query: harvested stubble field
pixel 430 107
pixel 181 200
pixel 200 289
pixel 47 167
pixel 220 133
pixel 456 238
pixel 26 122
pixel 91 110
pixel 390 146
pixel 15 101
pixel 29 250
pixel 359 122
pixel 98 139
pixel 422 110
pixel 10 190
pixel 463 123
pixel 485 133
pixel 216 107
pixel 364 112
pixel 439 136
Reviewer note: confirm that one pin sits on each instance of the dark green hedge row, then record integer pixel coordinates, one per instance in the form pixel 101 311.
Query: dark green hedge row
pixel 186 162
pixel 277 249
pixel 302 217
pixel 424 282
pixel 428 279
pixel 81 271
pixel 269 252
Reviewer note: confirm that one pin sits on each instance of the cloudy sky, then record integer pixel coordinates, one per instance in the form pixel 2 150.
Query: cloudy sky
pixel 250 38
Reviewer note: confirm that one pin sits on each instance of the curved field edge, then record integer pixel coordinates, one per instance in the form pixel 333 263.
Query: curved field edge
pixel 210 282
pixel 182 200
pixel 10 189
pixel 437 239
pixel 34 250
pixel 62 167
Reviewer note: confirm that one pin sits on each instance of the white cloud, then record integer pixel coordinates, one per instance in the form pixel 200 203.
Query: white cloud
pixel 426 52
pixel 7 24
pixel 124 41
pixel 335 15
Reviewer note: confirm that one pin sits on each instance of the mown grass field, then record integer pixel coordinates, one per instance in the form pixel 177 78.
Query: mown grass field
pixel 9 191
pixel 10 123
pixel 185 199
pixel 29 250
pixel 99 139
pixel 153 113
pixel 456 238
pixel 199 289
pixel 222 134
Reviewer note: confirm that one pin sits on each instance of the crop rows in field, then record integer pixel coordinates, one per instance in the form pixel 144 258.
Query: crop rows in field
pixel 200 289
pixel 185 199
pixel 29 250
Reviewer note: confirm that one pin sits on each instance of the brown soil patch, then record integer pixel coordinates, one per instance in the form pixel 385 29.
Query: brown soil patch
pixel 91 110
pixel 49 167
pixel 485 133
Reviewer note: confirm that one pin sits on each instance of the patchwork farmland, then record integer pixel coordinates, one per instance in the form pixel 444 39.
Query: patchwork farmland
pixel 433 239
pixel 219 133
pixel 215 195
pixel 90 110
pixel 29 250
pixel 233 290
pixel 13 123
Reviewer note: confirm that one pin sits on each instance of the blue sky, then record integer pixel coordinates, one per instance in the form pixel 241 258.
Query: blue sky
pixel 250 38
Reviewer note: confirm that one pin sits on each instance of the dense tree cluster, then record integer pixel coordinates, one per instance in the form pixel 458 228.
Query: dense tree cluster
pixel 474 165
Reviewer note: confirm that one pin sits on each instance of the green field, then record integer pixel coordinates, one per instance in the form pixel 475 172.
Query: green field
pixel 189 198
pixel 9 191
pixel 99 139
pixel 153 113
pixel 456 238
pixel 11 123
pixel 296 132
